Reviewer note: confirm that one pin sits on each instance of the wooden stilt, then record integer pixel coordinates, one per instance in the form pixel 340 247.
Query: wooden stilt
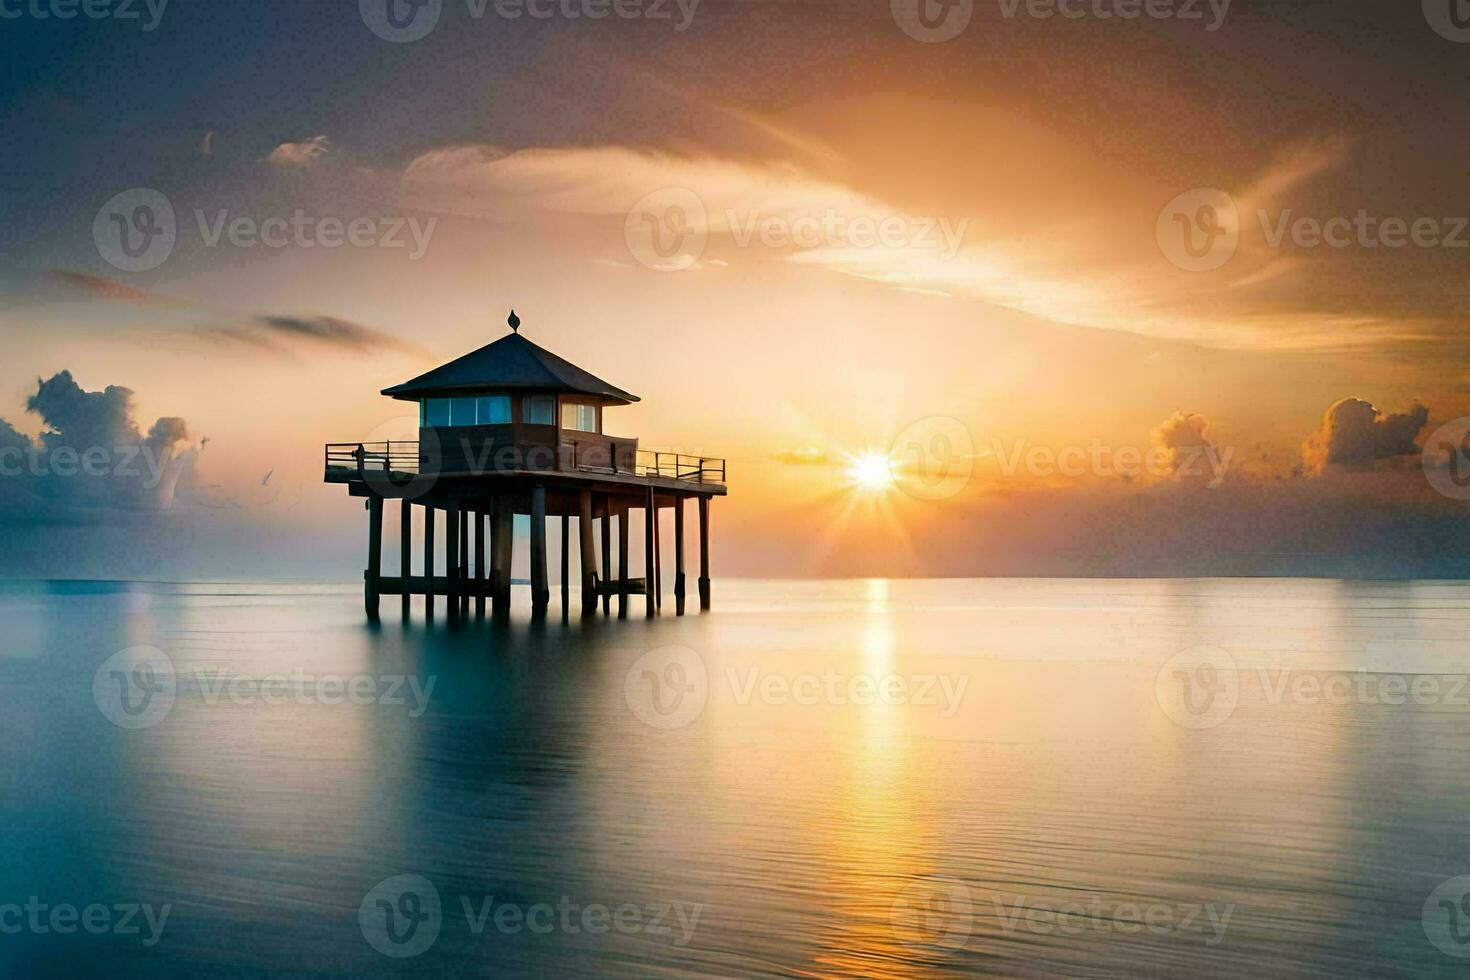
pixel 678 554
pixel 589 558
pixel 504 546
pixel 606 552
pixel 658 559
pixel 622 562
pixel 429 560
pixel 650 519
pixel 375 557
pixel 405 559
pixel 540 590
pixel 464 560
pixel 480 562
pixel 704 554
pixel 451 559
pixel 566 563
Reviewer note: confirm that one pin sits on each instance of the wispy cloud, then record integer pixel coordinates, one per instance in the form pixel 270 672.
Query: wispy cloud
pixel 111 289
pixel 300 154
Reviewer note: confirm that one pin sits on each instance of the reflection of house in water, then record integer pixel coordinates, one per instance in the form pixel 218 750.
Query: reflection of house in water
pixel 513 429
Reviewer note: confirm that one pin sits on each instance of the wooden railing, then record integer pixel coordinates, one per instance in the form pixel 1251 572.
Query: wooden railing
pixel 405 457
pixel 698 469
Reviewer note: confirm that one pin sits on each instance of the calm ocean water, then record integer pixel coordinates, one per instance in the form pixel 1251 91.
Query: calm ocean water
pixel 859 778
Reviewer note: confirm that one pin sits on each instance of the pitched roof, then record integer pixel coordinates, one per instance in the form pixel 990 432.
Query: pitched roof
pixel 510 362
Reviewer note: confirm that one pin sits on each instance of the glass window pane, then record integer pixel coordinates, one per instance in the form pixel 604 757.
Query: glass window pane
pixel 493 410
pixel 569 416
pixel 540 410
pixel 436 411
pixel 589 418
pixel 462 411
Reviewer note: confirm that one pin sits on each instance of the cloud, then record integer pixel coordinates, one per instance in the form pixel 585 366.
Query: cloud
pixel 806 456
pixel 104 288
pixel 328 330
pixel 1183 435
pixel 90 454
pixel 1355 434
pixel 300 154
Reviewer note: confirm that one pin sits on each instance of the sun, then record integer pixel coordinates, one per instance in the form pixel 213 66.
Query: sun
pixel 870 470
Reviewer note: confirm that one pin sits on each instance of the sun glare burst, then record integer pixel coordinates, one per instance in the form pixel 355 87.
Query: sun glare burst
pixel 870 470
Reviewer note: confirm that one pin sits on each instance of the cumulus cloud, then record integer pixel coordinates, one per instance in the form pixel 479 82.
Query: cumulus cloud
pixel 91 453
pixel 1183 435
pixel 300 154
pixel 1355 434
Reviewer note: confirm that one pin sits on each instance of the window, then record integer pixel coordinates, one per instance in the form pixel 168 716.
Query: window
pixel 462 411
pixel 582 418
pixel 493 410
pixel 487 410
pixel 539 410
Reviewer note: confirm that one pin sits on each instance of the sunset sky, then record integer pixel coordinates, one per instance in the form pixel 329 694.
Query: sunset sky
pixel 1024 292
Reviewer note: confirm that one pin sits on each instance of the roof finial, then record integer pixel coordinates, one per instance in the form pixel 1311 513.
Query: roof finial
pixel 514 321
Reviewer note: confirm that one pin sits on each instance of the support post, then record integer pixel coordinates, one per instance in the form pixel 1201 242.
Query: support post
pixel 540 590
pixel 623 562
pixel 504 547
pixel 703 554
pixel 429 561
pixel 451 559
pixel 589 559
pixel 606 552
pixel 375 557
pixel 679 554
pixel 464 561
pixel 658 559
pixel 649 520
pixel 405 550
pixel 480 563
pixel 566 563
